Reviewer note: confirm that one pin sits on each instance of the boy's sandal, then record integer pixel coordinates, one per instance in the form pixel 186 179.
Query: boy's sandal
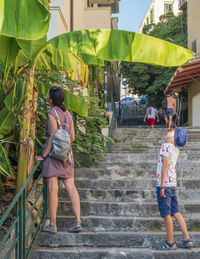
pixel 167 246
pixel 76 228
pixel 186 244
pixel 50 229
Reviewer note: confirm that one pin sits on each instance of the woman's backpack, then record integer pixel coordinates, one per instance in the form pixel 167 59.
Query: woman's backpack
pixel 61 144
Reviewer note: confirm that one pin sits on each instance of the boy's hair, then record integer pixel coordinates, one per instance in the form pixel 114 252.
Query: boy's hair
pixel 171 93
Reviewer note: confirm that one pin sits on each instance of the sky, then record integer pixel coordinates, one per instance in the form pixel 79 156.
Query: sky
pixel 131 14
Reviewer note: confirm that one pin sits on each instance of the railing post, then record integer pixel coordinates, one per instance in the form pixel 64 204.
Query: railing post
pixel 45 199
pixel 20 228
pixel 24 223
pixel 16 231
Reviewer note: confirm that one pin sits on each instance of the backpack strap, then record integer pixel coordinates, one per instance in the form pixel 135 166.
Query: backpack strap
pixel 57 118
pixel 59 122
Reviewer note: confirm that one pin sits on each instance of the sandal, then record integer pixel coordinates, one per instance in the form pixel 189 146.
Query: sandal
pixel 167 246
pixel 76 228
pixel 186 243
pixel 50 229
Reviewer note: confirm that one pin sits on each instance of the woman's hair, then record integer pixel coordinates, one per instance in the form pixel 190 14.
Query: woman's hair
pixel 57 95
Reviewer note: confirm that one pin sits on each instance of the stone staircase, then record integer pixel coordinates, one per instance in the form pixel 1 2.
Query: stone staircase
pixel 119 210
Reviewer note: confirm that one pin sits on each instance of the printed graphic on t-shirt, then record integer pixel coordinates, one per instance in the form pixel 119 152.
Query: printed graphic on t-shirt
pixel 172 152
pixel 151 113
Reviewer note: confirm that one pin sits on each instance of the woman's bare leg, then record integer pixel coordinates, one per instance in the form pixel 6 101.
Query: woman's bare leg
pixel 73 196
pixel 52 183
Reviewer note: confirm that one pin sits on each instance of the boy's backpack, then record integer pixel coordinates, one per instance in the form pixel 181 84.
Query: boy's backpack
pixel 61 145
pixel 180 137
pixel 164 104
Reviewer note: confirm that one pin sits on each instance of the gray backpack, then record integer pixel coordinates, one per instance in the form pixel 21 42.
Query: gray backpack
pixel 61 145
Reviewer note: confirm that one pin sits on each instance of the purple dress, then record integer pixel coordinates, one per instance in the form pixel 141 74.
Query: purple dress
pixel 52 167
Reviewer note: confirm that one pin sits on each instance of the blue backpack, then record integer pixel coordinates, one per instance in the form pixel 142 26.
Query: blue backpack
pixel 180 137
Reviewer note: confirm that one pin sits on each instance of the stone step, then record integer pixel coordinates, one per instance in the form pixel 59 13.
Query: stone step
pixel 113 253
pixel 117 172
pixel 186 165
pixel 129 209
pixel 142 183
pixel 126 195
pixel 119 223
pixel 147 157
pixel 110 239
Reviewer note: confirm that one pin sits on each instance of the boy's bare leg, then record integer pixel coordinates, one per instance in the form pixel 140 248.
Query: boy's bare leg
pixel 170 122
pixel 169 228
pixel 166 119
pixel 182 225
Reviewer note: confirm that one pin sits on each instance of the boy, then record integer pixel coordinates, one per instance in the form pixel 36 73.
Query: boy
pixel 151 114
pixel 166 192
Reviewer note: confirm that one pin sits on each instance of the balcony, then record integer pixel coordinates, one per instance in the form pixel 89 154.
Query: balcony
pixel 114 4
pixel 182 5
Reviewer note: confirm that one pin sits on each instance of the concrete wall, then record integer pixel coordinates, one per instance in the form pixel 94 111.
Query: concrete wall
pixel 193 114
pixel 98 18
pixel 193 23
pixel 58 22
pixel 193 34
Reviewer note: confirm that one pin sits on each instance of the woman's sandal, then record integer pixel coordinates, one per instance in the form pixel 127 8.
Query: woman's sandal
pixel 76 228
pixel 51 228
pixel 167 246
pixel 186 243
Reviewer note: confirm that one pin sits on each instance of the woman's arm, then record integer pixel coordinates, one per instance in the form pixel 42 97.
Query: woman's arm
pixel 53 128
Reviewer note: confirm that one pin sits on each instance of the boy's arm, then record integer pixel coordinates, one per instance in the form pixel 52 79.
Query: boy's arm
pixel 165 161
pixel 145 116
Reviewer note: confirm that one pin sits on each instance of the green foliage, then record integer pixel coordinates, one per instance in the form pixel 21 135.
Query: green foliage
pixel 150 80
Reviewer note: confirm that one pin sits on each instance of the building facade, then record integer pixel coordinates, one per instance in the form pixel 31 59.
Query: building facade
pixel 73 15
pixel 187 77
pixel 158 8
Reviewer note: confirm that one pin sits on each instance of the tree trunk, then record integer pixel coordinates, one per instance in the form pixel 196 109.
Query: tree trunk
pixel 26 143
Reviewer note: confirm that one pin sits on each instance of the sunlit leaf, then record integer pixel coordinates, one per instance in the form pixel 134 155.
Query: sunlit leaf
pixel 116 45
pixel 5 166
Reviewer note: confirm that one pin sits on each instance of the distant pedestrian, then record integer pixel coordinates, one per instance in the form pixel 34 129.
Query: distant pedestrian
pixel 151 114
pixel 171 110
pixel 166 190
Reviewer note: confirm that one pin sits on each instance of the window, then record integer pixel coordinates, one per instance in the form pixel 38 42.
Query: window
pixel 168 8
pixel 151 16
pixel 194 46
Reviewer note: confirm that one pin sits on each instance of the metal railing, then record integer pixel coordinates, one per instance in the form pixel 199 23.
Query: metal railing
pixel 112 124
pixel 19 240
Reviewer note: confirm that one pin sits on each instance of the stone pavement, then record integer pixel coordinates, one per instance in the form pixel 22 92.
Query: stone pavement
pixel 119 208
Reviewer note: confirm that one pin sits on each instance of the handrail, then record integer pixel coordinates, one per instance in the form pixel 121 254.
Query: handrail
pixel 20 245
pixel 112 124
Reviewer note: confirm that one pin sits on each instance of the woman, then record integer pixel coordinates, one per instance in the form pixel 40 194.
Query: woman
pixel 53 169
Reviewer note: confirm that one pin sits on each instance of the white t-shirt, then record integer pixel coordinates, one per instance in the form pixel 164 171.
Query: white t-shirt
pixel 172 152
pixel 151 113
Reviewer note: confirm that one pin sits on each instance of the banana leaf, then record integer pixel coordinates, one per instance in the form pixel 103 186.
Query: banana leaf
pixel 64 61
pixel 5 166
pixel 72 102
pixel 24 19
pixel 94 46
pixel 7 120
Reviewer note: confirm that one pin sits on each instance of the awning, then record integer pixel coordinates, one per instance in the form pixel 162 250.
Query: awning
pixel 184 76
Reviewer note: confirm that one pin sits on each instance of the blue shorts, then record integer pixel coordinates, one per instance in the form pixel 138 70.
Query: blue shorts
pixel 169 112
pixel 168 205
